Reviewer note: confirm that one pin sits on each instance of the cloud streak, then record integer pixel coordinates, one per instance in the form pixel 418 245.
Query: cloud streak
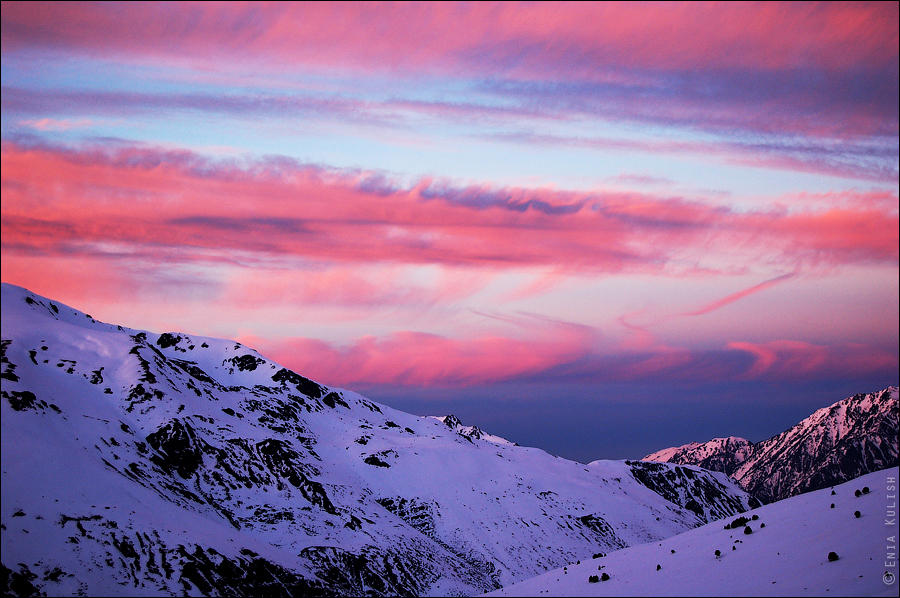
pixel 719 304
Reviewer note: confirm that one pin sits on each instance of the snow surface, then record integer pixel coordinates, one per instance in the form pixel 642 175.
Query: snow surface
pixel 787 557
pixel 139 463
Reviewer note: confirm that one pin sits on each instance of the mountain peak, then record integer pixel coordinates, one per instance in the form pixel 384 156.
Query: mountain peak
pixel 469 432
pixel 171 463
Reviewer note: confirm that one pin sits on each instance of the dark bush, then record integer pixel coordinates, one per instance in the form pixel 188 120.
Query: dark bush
pixel 833 556
pixel 762 525
pixel 593 579
pixel 734 548
pixel 673 551
pixel 865 489
pixel 747 530
pixel 755 517
pixel 718 553
pixel 832 492
pixel 857 514
pixel 832 505
pixel 597 555
pixel 604 577
pixel 857 493
pixel 739 522
pixel 658 566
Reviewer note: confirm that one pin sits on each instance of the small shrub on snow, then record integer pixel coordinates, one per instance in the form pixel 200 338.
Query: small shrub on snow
pixel 604 577
pixel 857 514
pixel 718 553
pixel 593 579
pixel 857 494
pixel 833 556
pixel 747 530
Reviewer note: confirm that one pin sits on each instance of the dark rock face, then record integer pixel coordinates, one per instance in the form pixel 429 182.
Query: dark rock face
pixel 333 399
pixel 705 496
pixel 852 437
pixel 304 385
pixel 178 446
pixel 167 339
pixel 245 362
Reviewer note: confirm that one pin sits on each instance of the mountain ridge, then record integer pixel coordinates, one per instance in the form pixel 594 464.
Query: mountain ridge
pixel 851 437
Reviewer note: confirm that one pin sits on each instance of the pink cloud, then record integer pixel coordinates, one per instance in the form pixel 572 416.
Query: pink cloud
pixel 420 359
pixel 791 359
pixel 147 199
pixel 526 39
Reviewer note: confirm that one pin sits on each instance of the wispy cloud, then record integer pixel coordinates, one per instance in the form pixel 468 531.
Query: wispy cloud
pixel 844 158
pixel 54 124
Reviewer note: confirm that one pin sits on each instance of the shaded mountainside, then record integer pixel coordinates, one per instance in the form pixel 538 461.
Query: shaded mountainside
pixel 159 464
pixel 854 436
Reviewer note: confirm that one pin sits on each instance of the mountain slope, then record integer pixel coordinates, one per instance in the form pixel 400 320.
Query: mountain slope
pixel 154 464
pixel 854 436
pixel 787 557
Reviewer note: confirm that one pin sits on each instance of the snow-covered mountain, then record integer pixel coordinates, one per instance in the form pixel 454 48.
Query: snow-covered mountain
pixel 854 436
pixel 718 454
pixel 157 464
pixel 786 552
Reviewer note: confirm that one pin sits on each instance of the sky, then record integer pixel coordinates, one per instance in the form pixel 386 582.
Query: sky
pixel 597 228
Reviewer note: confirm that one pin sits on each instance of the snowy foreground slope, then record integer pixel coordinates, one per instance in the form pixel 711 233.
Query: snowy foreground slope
pixel 853 436
pixel 787 557
pixel 136 463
